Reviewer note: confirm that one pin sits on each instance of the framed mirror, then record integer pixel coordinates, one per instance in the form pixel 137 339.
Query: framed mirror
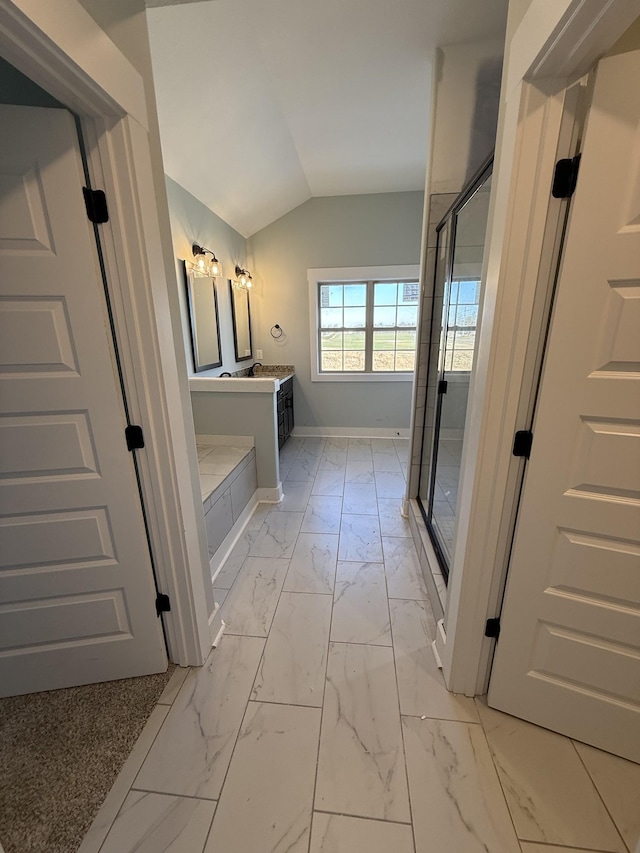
pixel 203 317
pixel 241 315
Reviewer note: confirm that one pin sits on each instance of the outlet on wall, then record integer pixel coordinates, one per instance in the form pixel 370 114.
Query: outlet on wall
pixel 258 353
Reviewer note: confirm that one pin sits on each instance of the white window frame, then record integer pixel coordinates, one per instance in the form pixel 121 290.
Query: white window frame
pixel 345 275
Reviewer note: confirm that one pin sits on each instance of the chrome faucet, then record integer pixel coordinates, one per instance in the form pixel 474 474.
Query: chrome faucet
pixel 252 369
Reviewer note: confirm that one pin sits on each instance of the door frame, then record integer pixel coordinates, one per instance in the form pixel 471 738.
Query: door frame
pixel 65 52
pixel 554 45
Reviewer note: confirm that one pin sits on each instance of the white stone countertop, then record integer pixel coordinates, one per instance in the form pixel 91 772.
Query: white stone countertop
pixel 243 384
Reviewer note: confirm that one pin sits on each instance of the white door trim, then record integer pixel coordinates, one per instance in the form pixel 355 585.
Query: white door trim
pixel 555 43
pixel 72 58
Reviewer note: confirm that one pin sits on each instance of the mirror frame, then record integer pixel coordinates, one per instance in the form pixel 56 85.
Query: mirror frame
pixel 190 279
pixel 233 291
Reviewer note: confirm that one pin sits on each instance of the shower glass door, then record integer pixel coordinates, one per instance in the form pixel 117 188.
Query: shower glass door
pixel 460 249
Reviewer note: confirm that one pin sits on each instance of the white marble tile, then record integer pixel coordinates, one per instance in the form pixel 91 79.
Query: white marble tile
pixel 277 536
pixel 360 539
pixel 220 468
pixel 328 483
pixel 109 809
pixel 173 685
pixel 359 441
pixel 322 515
pixel 402 566
pixel 392 522
pixel 303 470
pixel 456 799
pixel 218 521
pixel 618 782
pixel 420 682
pixel 234 562
pixel 314 444
pixel 313 565
pixel 336 443
pixel 390 484
pixel 360 499
pixel 294 663
pixel 383 445
pixel 359 453
pixel 361 769
pixel 386 462
pixel 243 488
pixel 295 498
pixel 333 460
pixel 208 483
pixel 332 833
pixel 227 453
pixel 250 605
pixel 267 799
pixel 360 472
pixel 258 516
pixel 220 595
pixel 191 753
pixel 361 608
pixel 289 452
pixel 160 823
pixel 550 795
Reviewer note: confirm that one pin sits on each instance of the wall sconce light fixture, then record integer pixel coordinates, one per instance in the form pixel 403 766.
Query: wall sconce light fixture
pixel 204 266
pixel 243 278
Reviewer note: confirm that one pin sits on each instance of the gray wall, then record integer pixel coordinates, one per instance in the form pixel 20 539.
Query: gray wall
pixel 338 231
pixel 192 222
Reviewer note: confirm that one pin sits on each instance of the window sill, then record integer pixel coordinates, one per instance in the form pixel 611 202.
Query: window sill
pixel 362 377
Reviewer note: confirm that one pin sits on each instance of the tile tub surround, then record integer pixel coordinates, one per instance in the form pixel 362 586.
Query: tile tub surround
pixel 322 725
pixel 228 481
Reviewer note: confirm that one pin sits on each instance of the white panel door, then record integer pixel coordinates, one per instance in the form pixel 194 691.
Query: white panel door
pixel 77 599
pixel 568 656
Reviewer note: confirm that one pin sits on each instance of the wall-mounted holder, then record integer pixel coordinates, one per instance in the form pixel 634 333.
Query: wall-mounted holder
pixel 277 332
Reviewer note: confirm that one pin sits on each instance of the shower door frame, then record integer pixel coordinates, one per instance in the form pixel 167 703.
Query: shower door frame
pixel 473 185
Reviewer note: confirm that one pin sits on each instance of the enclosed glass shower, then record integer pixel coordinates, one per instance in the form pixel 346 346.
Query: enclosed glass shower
pixel 458 268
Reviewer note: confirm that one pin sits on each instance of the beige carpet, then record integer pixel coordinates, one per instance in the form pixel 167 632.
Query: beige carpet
pixel 60 753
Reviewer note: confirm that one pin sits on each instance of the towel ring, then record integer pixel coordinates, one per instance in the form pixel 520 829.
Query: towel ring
pixel 276 332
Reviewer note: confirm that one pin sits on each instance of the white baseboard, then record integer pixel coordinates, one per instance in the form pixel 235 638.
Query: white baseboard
pixel 233 440
pixel 270 496
pixel 227 544
pixel 349 432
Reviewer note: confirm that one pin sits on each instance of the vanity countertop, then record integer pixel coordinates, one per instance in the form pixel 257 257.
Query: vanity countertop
pixel 267 380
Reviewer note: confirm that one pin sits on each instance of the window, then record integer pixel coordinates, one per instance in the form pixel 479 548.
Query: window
pixel 464 298
pixel 364 327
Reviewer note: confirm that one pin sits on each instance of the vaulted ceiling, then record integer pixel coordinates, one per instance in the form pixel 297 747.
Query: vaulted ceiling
pixel 265 103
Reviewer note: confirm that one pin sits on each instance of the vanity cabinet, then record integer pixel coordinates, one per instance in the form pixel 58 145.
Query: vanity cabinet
pixel 285 411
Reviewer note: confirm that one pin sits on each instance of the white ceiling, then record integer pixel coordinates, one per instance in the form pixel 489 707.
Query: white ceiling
pixel 265 103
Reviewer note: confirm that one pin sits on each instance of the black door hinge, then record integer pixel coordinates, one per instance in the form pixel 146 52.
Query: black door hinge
pixel 134 436
pixel 96 203
pixel 442 386
pixel 565 177
pixel 492 628
pixel 522 443
pixel 163 605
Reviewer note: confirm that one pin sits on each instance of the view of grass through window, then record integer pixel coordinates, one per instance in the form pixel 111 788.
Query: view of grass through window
pixel 462 320
pixel 368 327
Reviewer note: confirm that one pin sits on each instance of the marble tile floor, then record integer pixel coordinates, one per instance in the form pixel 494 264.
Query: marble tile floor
pixel 321 724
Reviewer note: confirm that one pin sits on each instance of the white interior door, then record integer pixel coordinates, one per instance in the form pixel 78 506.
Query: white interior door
pixel 77 597
pixel 568 656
